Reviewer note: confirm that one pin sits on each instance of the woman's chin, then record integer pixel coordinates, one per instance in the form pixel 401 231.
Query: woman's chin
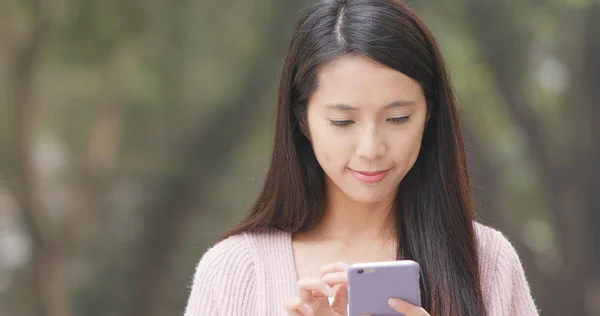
pixel 373 198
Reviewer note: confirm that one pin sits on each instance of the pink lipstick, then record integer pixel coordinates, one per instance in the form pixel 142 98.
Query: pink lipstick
pixel 369 177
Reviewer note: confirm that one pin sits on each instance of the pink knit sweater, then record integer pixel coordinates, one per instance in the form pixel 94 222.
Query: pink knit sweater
pixel 252 274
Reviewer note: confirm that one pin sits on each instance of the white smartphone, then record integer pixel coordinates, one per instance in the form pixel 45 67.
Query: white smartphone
pixel 371 284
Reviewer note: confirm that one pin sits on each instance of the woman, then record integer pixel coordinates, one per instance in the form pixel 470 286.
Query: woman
pixel 368 165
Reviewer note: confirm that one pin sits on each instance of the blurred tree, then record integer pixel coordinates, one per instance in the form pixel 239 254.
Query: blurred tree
pixel 201 161
pixel 158 108
pixel 564 156
pixel 49 291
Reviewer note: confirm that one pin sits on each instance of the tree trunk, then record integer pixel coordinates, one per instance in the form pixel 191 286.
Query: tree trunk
pixel 49 288
pixel 591 96
pixel 171 206
pixel 494 27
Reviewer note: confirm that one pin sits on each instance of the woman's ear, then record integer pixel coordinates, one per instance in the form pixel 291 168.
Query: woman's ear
pixel 304 127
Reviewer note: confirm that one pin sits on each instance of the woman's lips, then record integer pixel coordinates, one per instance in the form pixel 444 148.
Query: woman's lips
pixel 369 177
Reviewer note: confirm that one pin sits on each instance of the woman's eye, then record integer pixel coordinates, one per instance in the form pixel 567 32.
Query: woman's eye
pixel 341 123
pixel 398 120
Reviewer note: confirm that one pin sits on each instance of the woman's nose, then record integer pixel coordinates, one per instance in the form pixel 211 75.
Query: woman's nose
pixel 370 144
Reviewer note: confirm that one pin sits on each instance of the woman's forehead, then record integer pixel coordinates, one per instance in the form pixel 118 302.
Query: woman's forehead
pixel 353 82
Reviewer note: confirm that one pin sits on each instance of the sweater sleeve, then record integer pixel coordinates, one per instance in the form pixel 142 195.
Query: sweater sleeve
pixel 223 282
pixel 512 281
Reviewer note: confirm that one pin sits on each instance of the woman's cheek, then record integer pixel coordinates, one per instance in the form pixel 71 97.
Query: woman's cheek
pixel 331 150
pixel 412 146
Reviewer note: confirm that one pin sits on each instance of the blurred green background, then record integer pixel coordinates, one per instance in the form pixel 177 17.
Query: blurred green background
pixel 132 133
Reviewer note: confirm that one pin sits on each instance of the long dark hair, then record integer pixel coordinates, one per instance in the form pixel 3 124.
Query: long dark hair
pixel 433 208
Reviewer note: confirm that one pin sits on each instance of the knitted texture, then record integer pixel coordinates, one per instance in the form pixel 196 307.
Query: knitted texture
pixel 253 273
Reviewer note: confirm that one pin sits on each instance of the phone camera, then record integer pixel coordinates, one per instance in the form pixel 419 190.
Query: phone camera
pixel 360 271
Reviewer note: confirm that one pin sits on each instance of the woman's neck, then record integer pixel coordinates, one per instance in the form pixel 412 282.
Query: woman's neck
pixel 348 220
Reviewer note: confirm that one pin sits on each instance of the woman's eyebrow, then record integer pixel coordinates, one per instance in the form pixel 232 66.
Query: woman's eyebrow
pixel 345 107
pixel 340 107
pixel 400 104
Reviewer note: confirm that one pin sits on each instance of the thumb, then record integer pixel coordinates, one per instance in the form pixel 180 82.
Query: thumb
pixel 340 300
pixel 406 308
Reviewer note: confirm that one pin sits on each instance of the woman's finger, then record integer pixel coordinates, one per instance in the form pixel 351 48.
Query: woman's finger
pixel 339 280
pixel 297 307
pixel 334 267
pixel 335 275
pixel 406 308
pixel 340 301
pixel 335 278
pixel 310 289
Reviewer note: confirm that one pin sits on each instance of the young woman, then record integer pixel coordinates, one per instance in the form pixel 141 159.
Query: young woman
pixel 368 165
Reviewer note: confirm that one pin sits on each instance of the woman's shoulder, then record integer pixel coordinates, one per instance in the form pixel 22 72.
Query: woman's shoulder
pixel 488 236
pixel 223 274
pixel 241 250
pixel 504 283
pixel 227 273
pixel 230 251
pixel 494 247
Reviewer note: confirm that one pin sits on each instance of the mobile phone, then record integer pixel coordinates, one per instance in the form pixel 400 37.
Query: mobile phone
pixel 371 284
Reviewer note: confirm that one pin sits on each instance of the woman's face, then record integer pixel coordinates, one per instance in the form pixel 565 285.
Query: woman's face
pixel 365 123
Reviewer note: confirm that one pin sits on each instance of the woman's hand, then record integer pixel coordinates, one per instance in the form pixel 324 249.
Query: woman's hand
pixel 406 308
pixel 314 293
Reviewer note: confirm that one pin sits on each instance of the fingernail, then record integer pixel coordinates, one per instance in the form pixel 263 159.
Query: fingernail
pixel 395 303
pixel 329 290
pixel 306 308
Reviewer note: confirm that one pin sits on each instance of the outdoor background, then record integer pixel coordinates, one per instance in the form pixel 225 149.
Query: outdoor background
pixel 132 133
